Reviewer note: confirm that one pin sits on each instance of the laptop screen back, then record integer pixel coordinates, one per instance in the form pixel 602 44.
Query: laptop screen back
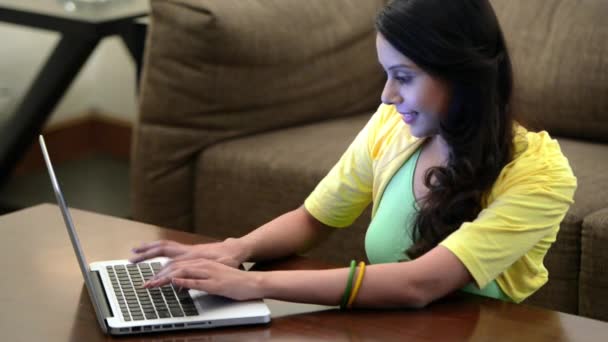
pixel 84 266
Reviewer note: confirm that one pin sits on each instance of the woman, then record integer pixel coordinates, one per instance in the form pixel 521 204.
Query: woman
pixel 463 197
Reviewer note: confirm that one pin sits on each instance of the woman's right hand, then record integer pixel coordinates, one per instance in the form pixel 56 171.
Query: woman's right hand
pixel 229 252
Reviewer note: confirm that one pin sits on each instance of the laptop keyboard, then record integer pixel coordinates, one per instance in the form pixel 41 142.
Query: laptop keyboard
pixel 137 303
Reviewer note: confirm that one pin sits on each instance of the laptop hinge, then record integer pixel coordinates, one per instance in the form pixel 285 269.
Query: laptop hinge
pixel 103 305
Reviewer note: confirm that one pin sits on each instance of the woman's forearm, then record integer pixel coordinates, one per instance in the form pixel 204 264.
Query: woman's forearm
pixel 411 284
pixel 381 287
pixel 288 234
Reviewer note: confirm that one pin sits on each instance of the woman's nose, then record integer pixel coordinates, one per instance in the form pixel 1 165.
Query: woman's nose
pixel 390 94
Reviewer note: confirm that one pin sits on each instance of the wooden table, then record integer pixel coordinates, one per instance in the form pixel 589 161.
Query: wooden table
pixel 42 297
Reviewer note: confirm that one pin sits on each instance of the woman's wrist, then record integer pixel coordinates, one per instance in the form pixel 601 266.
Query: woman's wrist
pixel 260 282
pixel 242 249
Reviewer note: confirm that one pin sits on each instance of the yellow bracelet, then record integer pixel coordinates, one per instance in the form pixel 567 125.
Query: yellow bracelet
pixel 358 282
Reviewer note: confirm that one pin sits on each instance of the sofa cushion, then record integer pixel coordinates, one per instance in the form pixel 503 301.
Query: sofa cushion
pixel 589 162
pixel 594 266
pixel 252 65
pixel 269 174
pixel 560 56
pixel 216 70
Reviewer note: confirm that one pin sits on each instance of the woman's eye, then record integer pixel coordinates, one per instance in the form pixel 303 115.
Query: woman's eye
pixel 404 79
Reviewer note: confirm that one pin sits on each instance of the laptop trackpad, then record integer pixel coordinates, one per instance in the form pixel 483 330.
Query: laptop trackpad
pixel 213 306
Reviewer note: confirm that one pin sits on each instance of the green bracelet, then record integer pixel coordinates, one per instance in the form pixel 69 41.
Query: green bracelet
pixel 349 285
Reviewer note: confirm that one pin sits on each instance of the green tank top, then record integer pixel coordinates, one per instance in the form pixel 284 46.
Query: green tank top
pixel 390 232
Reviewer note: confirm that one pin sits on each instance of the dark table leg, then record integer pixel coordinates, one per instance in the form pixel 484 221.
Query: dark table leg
pixel 48 88
pixel 134 38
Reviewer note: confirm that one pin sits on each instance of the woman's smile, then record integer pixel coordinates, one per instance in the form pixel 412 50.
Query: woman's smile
pixel 409 117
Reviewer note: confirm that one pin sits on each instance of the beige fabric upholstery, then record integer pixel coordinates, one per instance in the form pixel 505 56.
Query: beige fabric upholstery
pixel 559 53
pixel 589 161
pixel 593 300
pixel 221 69
pixel 263 179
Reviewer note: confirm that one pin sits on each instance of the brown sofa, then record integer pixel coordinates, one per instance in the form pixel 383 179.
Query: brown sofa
pixel 246 105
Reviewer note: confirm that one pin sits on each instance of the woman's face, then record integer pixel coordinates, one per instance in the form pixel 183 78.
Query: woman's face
pixel 421 99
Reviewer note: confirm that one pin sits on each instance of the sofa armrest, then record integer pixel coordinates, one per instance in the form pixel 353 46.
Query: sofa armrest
pixel 593 289
pixel 216 70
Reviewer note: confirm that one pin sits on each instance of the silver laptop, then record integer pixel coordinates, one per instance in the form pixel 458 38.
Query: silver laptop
pixel 123 307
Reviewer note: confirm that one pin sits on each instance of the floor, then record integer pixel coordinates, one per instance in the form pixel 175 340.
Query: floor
pixel 98 183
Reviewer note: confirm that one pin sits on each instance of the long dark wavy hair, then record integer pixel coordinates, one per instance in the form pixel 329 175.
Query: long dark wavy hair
pixel 460 42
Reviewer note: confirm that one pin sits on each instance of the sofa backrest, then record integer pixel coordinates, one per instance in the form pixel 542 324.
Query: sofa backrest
pixel 242 66
pixel 559 50
pixel 220 69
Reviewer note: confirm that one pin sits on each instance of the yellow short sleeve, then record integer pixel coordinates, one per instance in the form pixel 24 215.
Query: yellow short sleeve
pixel 510 238
pixel 346 191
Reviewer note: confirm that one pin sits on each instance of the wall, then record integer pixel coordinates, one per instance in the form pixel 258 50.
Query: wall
pixel 106 82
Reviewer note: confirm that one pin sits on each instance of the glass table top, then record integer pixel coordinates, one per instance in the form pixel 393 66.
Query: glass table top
pixel 93 11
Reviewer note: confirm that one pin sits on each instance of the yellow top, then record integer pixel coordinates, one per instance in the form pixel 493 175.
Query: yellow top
pixel 511 235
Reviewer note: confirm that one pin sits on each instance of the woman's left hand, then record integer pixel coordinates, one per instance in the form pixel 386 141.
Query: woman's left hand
pixel 211 277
